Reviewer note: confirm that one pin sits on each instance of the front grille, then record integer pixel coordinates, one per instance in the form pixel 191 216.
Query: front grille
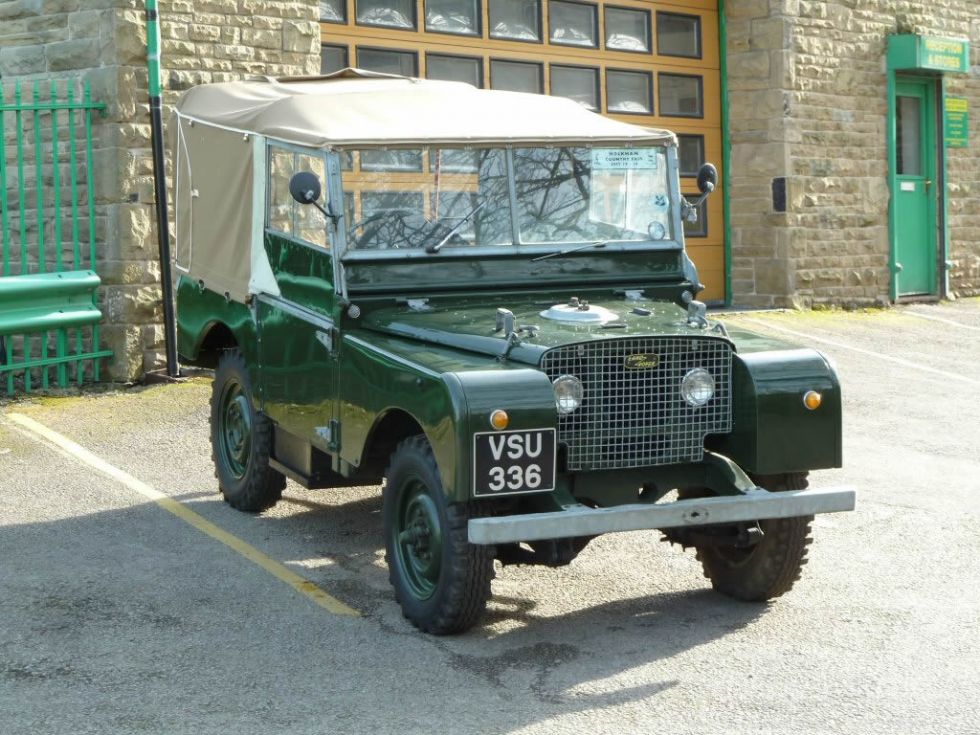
pixel 637 417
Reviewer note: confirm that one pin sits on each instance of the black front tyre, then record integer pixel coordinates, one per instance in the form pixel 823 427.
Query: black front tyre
pixel 441 580
pixel 769 568
pixel 241 440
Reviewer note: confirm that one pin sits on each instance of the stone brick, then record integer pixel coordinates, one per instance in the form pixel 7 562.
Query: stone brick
pixel 79 53
pixel 19 61
pixel 85 24
pixel 301 37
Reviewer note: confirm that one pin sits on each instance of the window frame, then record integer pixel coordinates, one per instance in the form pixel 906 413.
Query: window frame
pixel 649 25
pixel 702 222
pixel 506 60
pixel 700 28
pixel 660 89
pixel 595 24
pixel 478 33
pixel 539 4
pixel 344 47
pixel 648 75
pixel 681 171
pixel 330 238
pixel 477 59
pixel 344 20
pixel 598 83
pixel 413 29
pixel 518 247
pixel 413 54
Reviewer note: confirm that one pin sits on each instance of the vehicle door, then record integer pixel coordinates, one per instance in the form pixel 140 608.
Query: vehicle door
pixel 297 333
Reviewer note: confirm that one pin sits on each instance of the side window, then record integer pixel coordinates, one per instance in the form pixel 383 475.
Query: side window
pixel 283 213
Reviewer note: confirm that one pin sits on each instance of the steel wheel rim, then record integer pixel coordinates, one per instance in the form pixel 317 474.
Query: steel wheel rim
pixel 418 540
pixel 235 429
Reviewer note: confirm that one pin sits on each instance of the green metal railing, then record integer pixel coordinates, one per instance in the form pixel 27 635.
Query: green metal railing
pixel 48 237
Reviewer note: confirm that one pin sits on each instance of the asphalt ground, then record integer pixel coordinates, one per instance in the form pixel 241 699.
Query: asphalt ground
pixel 118 616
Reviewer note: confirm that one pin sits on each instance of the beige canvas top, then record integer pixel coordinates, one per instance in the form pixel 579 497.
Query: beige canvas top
pixel 353 107
pixel 219 184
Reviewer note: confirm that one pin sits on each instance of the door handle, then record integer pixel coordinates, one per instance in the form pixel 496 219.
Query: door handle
pixel 928 184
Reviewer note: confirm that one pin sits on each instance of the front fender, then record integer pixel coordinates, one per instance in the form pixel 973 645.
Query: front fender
pixel 772 431
pixel 525 394
pixel 448 406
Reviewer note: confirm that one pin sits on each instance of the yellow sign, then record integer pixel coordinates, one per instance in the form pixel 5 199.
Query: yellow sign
pixel 957 122
pixel 944 54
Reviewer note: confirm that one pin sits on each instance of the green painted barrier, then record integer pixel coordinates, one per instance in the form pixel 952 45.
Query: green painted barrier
pixel 48 301
pixel 49 322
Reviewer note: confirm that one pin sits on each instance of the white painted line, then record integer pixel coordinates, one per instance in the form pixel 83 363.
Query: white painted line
pixel 869 353
pixel 932 318
pixel 39 431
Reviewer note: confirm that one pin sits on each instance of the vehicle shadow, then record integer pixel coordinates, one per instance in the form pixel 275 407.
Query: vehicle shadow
pixel 555 651
pixel 94 602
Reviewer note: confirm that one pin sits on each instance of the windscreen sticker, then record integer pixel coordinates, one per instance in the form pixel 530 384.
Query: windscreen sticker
pixel 624 159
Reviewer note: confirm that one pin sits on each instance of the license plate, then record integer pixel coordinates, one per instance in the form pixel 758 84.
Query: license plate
pixel 511 462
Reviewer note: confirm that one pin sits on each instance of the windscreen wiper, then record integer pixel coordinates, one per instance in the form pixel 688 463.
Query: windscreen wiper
pixel 596 244
pixel 455 228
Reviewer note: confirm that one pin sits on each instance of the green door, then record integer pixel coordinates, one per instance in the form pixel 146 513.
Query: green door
pixel 298 342
pixel 915 191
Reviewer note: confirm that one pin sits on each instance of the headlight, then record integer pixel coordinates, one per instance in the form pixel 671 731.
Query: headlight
pixel 698 387
pixel 568 393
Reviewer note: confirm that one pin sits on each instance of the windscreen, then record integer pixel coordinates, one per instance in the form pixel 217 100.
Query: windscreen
pixel 445 198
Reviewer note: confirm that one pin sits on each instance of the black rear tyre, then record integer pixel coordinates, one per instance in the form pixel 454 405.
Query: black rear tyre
pixel 769 568
pixel 441 581
pixel 241 440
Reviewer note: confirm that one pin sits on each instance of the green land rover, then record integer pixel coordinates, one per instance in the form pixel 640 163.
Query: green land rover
pixel 480 300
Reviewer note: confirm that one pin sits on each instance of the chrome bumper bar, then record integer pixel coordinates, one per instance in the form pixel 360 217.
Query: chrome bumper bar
pixel 579 520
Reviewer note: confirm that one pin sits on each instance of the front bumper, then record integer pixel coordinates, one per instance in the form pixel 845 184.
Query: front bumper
pixel 580 520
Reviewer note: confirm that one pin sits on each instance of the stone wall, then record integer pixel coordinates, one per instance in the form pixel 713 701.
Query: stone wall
pixel 104 42
pixel 808 102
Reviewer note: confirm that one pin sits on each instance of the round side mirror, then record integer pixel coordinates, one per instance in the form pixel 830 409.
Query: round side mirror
pixel 707 178
pixel 305 187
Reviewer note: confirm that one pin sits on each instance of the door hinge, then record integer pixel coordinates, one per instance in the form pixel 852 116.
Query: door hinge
pixel 327 339
pixel 329 434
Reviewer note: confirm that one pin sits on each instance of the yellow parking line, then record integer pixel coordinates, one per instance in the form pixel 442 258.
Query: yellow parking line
pixel 275 568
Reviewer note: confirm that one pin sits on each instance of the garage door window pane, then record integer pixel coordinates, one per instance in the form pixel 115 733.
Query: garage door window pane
pixel 452 16
pixel 333 11
pixel 454 69
pixel 629 91
pixel 454 160
pixel 573 24
pixel 679 35
pixel 691 153
pixel 332 58
pixel 518 20
pixel 627 30
pixel 581 85
pixel 680 95
pixel 515 76
pixel 699 228
pixel 391 13
pixel 394 160
pixel 387 62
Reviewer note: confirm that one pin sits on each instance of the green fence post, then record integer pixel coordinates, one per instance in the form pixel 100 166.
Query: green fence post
pixel 4 207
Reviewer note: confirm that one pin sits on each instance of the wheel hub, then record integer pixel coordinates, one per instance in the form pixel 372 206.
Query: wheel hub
pixel 236 430
pixel 419 543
